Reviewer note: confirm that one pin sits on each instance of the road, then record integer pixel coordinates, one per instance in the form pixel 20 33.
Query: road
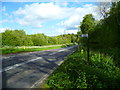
pixel 29 70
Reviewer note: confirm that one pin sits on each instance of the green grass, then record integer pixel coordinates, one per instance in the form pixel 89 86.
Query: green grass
pixel 76 72
pixel 30 49
pixel 19 50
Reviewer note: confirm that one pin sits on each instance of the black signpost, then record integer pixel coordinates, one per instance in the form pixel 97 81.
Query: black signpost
pixel 88 49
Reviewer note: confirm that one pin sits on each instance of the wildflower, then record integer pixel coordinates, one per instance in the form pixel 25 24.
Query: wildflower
pixel 24 47
pixel 82 51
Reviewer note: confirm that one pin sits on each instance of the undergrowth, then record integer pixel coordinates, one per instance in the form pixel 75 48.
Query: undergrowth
pixel 76 72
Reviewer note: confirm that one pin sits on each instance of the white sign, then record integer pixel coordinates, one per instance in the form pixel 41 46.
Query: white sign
pixel 84 35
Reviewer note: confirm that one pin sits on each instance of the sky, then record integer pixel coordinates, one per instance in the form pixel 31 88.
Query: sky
pixel 51 18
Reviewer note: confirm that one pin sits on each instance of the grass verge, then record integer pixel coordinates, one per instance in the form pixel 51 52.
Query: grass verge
pixel 19 50
pixel 75 72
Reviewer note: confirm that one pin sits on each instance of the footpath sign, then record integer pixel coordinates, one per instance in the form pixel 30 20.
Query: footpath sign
pixel 88 50
pixel 84 35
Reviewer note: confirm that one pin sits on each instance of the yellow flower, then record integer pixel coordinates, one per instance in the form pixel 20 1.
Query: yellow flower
pixel 82 51
pixel 24 47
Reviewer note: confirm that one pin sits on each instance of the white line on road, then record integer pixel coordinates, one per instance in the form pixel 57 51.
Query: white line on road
pixel 20 64
pixel 39 81
pixel 67 48
pixel 58 51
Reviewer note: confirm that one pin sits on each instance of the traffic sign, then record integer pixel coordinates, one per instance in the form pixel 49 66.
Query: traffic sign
pixel 84 35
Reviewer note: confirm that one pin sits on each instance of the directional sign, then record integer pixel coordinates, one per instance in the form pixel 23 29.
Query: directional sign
pixel 84 35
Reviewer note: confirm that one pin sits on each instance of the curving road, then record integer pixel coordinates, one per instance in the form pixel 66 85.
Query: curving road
pixel 28 70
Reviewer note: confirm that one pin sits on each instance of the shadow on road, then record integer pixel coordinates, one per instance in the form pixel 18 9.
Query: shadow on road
pixel 26 75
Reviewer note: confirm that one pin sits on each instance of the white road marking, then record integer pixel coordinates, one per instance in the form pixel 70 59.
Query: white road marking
pixel 20 64
pixel 62 50
pixel 44 77
pixel 58 51
pixel 39 81
pixel 60 63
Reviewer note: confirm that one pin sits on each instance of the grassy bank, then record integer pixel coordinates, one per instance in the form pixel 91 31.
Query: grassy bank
pixel 76 72
pixel 8 50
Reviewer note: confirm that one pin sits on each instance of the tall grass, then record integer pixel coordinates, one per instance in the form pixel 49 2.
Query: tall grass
pixel 75 72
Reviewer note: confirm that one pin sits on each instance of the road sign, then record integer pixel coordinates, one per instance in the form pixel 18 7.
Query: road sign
pixel 84 35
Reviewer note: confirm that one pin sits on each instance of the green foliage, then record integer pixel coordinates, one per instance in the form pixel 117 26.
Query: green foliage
pixel 39 39
pixel 107 32
pixel 76 73
pixel 103 69
pixel 67 45
pixel 19 38
pixel 14 49
pixel 88 24
pixel 12 38
pixel 19 50
pixel 52 40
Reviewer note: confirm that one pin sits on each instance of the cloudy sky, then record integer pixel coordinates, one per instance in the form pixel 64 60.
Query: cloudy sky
pixel 50 18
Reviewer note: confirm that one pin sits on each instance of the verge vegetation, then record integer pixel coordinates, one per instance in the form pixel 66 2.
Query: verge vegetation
pixel 9 50
pixel 77 72
pixel 103 68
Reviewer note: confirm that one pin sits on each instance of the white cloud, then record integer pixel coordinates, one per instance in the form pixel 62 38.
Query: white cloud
pixel 6 20
pixel 72 31
pixel 2 21
pixel 4 29
pixel 63 31
pixel 74 20
pixel 38 13
pixel 60 30
pixel 71 23
pixel 3 8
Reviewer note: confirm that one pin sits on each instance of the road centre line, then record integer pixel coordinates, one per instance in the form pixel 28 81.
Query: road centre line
pixel 20 64
pixel 61 50
pixel 58 51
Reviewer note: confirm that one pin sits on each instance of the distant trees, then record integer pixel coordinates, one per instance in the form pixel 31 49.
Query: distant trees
pixel 38 39
pixel 19 38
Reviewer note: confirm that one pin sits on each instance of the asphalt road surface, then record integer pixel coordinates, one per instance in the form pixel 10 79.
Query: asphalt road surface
pixel 29 70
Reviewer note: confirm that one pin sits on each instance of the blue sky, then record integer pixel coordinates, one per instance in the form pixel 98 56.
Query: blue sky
pixel 50 18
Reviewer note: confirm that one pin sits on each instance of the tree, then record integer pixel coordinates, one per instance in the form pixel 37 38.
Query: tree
pixel 39 39
pixel 103 9
pixel 107 34
pixel 52 40
pixel 88 24
pixel 10 38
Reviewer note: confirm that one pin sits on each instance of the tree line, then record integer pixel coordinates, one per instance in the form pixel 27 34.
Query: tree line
pixel 106 32
pixel 20 38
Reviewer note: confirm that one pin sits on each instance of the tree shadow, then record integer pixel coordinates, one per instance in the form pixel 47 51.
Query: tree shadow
pixel 34 70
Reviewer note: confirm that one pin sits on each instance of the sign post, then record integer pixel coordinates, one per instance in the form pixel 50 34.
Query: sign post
pixel 88 50
pixel 88 43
